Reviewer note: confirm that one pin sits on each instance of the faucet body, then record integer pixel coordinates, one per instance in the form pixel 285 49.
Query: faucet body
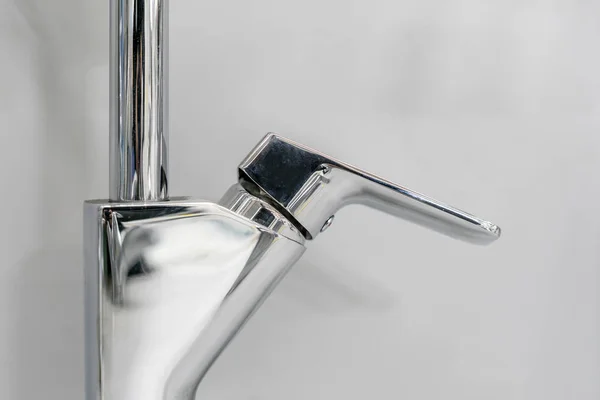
pixel 170 281
pixel 168 285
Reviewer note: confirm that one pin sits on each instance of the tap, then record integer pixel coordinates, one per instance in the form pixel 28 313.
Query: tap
pixel 170 281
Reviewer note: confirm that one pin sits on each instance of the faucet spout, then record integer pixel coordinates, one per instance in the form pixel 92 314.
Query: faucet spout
pixel 139 120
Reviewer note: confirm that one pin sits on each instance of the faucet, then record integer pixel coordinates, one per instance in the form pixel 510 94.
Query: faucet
pixel 170 281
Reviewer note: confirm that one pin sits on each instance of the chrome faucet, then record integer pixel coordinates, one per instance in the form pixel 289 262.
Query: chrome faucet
pixel 170 281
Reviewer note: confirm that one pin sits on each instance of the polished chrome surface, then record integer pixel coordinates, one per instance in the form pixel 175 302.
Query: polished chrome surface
pixel 310 187
pixel 168 285
pixel 139 100
pixel 238 200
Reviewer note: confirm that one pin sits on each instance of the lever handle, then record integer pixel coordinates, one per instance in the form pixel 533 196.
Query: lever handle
pixel 308 187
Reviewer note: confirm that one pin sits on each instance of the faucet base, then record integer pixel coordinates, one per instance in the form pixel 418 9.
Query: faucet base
pixel 168 285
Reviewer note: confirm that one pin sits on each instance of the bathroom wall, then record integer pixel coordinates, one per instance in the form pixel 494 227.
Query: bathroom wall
pixel 492 106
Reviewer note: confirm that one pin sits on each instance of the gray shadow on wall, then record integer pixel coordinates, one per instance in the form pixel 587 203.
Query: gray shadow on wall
pixel 47 330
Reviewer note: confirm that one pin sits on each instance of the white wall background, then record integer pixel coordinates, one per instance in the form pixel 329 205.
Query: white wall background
pixel 489 105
